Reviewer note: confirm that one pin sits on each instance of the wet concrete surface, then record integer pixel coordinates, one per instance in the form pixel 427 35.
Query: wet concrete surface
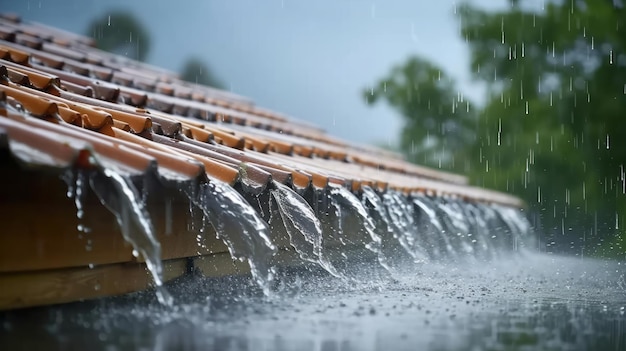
pixel 529 301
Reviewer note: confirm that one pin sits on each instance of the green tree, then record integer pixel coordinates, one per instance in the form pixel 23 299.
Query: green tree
pixel 121 33
pixel 551 128
pixel 556 95
pixel 436 123
pixel 196 71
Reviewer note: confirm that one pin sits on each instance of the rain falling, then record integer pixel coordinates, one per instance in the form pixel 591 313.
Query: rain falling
pixel 379 175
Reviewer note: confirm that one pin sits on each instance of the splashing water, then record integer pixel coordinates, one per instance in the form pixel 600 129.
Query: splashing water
pixel 520 229
pixel 119 195
pixel 303 227
pixel 402 222
pixel 241 228
pixel 497 231
pixel 476 217
pixel 439 240
pixel 423 227
pixel 456 226
pixel 377 211
pixel 347 206
pixel 465 221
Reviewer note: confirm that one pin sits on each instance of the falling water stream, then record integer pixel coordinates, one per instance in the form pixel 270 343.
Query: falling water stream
pixel 402 222
pixel 458 275
pixel 425 228
pixel 349 209
pixel 118 194
pixel 241 228
pixel 303 227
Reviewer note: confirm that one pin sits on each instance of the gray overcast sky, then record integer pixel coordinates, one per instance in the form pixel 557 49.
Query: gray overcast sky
pixel 308 59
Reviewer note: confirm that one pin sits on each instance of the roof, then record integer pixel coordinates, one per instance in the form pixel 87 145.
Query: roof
pixel 65 101
pixel 74 118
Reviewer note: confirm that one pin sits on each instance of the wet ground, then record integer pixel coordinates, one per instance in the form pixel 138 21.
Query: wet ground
pixel 527 302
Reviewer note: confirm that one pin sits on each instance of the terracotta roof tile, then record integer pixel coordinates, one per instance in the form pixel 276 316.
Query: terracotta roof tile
pixel 33 145
pixel 138 115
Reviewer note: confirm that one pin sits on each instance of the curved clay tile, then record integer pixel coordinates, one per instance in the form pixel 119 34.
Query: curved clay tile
pixel 216 169
pixel 52 149
pixel 258 175
pixel 7 33
pixel 169 127
pixel 166 158
pixel 48 59
pixel 92 117
pixel 298 178
pixel 38 80
pixel 63 51
pixel 201 149
pixel 70 116
pixel 28 41
pixel 13 55
pixel 197 133
pixel 36 105
pixel 76 89
pixel 105 146
pixel 131 96
pixel 121 125
pixel 101 90
pixel 14 76
pixel 227 139
pixel 60 34
pixel 137 123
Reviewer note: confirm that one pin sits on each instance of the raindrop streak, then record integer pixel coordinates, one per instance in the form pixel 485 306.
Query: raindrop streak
pixel 526 106
pixel 241 228
pixel 303 228
pixel 499 130
pixel 119 195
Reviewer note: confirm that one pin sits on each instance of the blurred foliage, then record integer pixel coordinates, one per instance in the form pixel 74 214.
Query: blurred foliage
pixel 552 127
pixel 196 71
pixel 436 118
pixel 121 33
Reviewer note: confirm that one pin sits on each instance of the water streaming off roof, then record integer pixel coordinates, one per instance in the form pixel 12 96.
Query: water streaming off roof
pixel 119 195
pixel 210 214
pixel 239 226
pixel 202 180
pixel 303 227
